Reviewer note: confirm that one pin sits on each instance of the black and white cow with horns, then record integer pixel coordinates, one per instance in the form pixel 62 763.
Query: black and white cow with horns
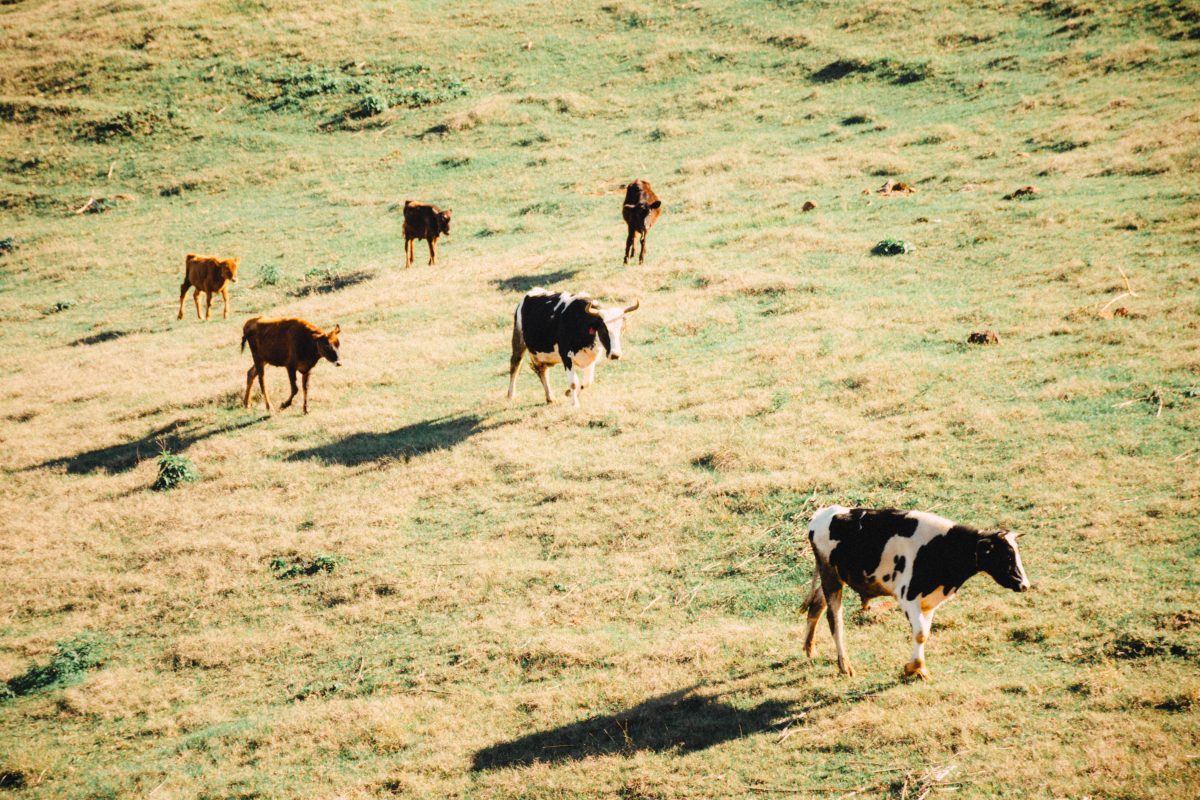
pixel 918 558
pixel 567 329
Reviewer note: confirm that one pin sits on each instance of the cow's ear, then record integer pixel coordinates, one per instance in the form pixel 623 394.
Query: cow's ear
pixel 656 204
pixel 448 212
pixel 336 330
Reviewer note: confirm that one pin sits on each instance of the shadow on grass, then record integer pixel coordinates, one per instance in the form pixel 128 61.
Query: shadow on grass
pixel 175 436
pixel 682 722
pixel 97 338
pixel 331 282
pixel 402 444
pixel 523 283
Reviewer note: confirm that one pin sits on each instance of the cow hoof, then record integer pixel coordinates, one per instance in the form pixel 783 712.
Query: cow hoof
pixel 914 673
pixel 848 671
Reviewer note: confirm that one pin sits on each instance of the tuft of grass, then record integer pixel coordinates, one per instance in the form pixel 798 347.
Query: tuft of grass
pixel 269 275
pixel 174 469
pixel 299 566
pixel 60 306
pixel 73 658
pixel 891 247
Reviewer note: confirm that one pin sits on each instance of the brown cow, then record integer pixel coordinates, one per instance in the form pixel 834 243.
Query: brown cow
pixel 288 342
pixel 209 275
pixel 423 221
pixel 641 210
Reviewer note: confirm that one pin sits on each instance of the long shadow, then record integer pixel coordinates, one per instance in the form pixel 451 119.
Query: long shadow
pixel 331 283
pixel 402 444
pixel 97 338
pixel 681 722
pixel 175 436
pixel 523 283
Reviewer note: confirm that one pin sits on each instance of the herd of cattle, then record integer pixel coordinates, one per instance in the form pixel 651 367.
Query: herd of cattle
pixel 918 558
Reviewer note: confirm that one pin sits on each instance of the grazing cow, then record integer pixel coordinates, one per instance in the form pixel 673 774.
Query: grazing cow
pixel 561 328
pixel 918 558
pixel 641 210
pixel 423 221
pixel 207 274
pixel 291 343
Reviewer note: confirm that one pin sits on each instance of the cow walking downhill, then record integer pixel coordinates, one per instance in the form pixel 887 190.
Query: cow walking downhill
pixel 288 342
pixel 423 221
pixel 567 329
pixel 918 558
pixel 641 210
pixel 209 275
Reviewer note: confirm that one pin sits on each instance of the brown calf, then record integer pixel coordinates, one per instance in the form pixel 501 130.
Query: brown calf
pixel 209 275
pixel 423 221
pixel 641 210
pixel 291 343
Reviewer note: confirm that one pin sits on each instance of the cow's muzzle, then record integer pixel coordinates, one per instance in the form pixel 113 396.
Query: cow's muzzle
pixel 337 363
pixel 614 356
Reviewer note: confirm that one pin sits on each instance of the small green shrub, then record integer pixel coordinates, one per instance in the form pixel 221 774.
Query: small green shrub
pixel 891 247
pixel 268 275
pixel 7 245
pixel 74 657
pixel 298 566
pixel 61 305
pixel 370 106
pixel 173 470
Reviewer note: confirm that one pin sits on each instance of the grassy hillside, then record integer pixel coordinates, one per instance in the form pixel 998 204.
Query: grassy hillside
pixel 422 590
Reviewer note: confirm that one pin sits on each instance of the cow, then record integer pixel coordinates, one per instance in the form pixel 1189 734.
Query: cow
pixel 567 329
pixel 423 221
pixel 641 210
pixel 916 557
pixel 286 342
pixel 209 275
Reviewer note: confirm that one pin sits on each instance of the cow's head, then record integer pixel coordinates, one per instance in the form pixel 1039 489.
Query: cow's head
pixel 229 269
pixel 612 324
pixel 997 555
pixel 443 221
pixel 639 211
pixel 327 345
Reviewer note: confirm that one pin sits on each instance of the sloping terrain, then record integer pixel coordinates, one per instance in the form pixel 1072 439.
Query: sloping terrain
pixel 422 590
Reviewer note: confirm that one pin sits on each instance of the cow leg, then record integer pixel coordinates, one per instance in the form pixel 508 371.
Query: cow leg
pixel 225 297
pixel 249 386
pixel 207 306
pixel 304 383
pixel 408 253
pixel 573 389
pixel 514 363
pixel 831 585
pixel 921 621
pixel 642 255
pixel 262 383
pixel 183 296
pixel 433 251
pixel 196 300
pixel 816 607
pixel 292 380
pixel 629 245
pixel 543 373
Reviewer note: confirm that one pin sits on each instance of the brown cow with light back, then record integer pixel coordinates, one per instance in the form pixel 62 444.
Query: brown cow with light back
pixel 209 275
pixel 423 221
pixel 286 342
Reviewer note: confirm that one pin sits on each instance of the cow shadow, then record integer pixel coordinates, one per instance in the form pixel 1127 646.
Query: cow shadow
pixel 681 722
pixel 102 336
pixel 523 283
pixel 403 444
pixel 175 436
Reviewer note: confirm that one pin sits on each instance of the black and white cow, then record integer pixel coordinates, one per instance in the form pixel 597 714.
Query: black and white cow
pixel 918 558
pixel 567 329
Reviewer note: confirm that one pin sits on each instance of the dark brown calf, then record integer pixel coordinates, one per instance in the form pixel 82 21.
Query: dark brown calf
pixel 423 221
pixel 209 275
pixel 641 210
pixel 291 343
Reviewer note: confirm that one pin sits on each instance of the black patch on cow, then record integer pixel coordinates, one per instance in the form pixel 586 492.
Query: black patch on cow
pixel 897 566
pixel 947 561
pixel 548 325
pixel 862 534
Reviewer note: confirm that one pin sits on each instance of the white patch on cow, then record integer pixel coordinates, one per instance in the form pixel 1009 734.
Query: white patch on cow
pixel 565 300
pixel 1011 538
pixel 548 359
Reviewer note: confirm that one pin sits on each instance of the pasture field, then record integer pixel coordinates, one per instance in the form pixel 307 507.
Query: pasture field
pixel 421 590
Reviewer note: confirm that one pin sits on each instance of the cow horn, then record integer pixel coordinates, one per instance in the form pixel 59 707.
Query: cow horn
pixel 592 308
pixel 636 305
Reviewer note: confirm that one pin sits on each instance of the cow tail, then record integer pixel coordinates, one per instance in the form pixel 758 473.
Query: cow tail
pixel 245 336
